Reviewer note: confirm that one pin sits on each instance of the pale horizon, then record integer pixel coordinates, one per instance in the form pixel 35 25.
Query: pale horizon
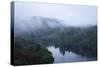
pixel 74 15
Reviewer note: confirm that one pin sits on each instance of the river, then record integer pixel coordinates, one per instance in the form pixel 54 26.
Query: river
pixel 61 57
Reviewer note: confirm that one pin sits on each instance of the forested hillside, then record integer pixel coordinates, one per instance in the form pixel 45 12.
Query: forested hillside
pixel 31 41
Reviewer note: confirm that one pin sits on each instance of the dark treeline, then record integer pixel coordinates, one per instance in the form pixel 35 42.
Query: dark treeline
pixel 27 52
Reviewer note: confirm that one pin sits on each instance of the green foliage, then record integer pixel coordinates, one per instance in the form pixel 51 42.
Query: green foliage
pixel 28 52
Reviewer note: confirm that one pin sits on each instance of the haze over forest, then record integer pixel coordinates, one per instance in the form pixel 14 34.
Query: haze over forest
pixel 46 33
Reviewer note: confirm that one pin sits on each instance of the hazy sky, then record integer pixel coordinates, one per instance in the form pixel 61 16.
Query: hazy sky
pixel 70 14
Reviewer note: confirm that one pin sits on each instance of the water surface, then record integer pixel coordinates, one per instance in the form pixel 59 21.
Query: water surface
pixel 60 57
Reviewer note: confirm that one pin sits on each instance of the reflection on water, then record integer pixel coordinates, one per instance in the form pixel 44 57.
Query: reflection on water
pixel 59 57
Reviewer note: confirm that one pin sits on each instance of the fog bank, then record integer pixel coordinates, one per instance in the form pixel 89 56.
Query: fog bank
pixel 73 15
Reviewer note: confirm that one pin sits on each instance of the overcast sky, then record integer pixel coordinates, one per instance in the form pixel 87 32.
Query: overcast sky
pixel 74 15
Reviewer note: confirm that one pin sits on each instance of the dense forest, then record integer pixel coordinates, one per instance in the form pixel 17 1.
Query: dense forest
pixel 28 52
pixel 31 43
pixel 79 40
